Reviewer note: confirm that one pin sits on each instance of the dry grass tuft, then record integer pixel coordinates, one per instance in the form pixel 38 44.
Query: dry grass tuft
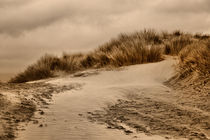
pixel 194 68
pixel 40 70
pixel 195 60
pixel 176 44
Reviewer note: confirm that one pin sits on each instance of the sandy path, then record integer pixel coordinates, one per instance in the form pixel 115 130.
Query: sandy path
pixel 67 117
pixel 128 103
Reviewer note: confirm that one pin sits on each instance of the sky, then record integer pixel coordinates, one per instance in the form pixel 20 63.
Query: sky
pixel 32 28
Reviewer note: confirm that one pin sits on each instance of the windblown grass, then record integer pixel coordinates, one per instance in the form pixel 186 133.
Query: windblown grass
pixel 40 70
pixel 194 61
pixel 193 52
pixel 141 47
pixel 177 44
pixel 193 68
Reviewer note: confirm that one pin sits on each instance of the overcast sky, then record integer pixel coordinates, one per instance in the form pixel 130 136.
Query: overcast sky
pixel 31 28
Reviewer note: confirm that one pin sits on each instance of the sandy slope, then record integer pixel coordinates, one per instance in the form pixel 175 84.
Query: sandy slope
pixel 132 99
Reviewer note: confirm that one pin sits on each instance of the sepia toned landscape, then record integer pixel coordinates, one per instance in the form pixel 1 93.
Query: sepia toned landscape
pixel 149 83
pixel 145 84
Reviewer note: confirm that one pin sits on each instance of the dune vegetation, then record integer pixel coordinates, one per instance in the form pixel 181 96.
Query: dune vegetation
pixel 127 49
pixel 193 68
pixel 195 58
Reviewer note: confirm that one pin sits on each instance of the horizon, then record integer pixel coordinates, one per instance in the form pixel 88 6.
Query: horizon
pixel 30 29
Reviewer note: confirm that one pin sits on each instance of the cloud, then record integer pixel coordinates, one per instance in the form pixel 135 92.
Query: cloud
pixel 28 16
pixel 19 19
pixel 183 6
pixel 43 13
pixel 12 3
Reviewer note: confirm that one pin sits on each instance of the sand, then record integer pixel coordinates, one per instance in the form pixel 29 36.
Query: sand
pixel 132 102
pixel 19 102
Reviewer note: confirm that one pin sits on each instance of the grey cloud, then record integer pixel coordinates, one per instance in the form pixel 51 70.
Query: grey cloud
pixel 44 13
pixel 12 3
pixel 184 6
pixel 17 20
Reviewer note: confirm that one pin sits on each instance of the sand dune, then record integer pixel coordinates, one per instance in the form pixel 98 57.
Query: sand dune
pixel 127 103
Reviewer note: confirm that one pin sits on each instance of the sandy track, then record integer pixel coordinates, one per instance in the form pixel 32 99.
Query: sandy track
pixel 72 109
pixel 138 103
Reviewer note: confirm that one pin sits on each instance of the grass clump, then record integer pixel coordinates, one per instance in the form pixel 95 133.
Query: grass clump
pixel 195 60
pixel 176 44
pixel 40 70
pixel 193 68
